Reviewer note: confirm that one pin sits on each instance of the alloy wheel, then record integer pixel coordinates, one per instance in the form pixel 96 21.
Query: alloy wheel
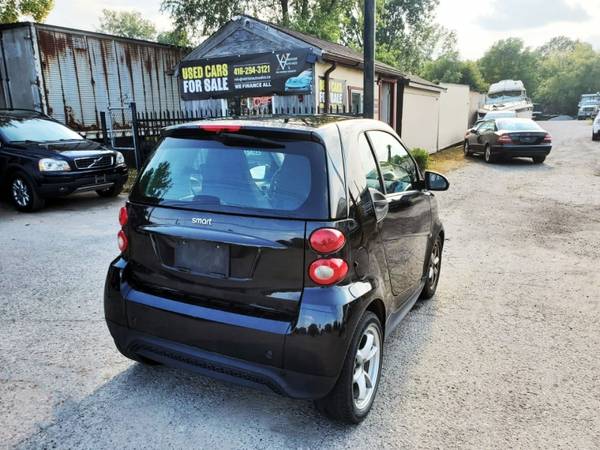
pixel 466 149
pixel 433 273
pixel 488 154
pixel 20 192
pixel 366 367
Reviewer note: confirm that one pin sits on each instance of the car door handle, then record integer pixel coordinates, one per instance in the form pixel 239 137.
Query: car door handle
pixel 380 204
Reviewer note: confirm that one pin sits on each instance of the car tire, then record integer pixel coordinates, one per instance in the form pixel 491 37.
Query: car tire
pixel 23 194
pixel 488 156
pixel 596 136
pixel 467 149
pixel 434 267
pixel 538 159
pixel 343 403
pixel 110 192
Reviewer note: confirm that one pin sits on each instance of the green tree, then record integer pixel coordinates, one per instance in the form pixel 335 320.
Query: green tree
pixel 406 34
pixel 471 75
pixel 129 24
pixel 177 37
pixel 567 73
pixel 14 10
pixel 558 44
pixel 510 59
pixel 449 68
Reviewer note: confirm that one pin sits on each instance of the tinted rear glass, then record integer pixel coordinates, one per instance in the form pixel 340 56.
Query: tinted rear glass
pixel 518 125
pixel 289 180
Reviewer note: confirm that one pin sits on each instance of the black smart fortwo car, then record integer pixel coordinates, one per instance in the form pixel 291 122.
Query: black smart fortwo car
pixel 277 254
pixel 41 158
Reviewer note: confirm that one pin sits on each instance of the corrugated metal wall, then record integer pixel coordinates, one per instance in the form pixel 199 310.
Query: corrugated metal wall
pixel 18 77
pixel 86 73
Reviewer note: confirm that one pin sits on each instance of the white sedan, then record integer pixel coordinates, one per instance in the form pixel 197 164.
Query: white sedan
pixel 596 128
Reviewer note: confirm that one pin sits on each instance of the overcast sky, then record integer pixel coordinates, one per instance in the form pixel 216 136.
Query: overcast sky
pixel 478 23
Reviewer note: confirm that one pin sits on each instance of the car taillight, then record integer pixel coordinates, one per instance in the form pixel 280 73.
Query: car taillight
pixel 121 236
pixel 327 240
pixel 123 217
pixel 504 139
pixel 548 138
pixel 329 271
pixel 122 241
pixel 221 128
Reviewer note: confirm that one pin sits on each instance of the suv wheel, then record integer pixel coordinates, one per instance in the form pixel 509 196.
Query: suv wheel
pixel 433 269
pixel 111 191
pixel 467 149
pixel 538 159
pixel 596 136
pixel 352 397
pixel 487 156
pixel 23 195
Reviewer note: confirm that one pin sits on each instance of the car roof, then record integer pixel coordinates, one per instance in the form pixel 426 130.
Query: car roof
pixel 300 122
pixel 512 119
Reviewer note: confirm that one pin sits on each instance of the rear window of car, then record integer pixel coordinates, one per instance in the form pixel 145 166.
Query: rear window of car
pixel 518 125
pixel 288 179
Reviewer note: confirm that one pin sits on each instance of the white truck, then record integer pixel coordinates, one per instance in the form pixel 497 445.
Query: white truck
pixel 589 105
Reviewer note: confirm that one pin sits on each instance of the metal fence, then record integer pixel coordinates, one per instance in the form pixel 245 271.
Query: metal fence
pixel 146 126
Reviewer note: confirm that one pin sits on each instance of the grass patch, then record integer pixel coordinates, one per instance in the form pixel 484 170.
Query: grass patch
pixel 446 160
pixel 130 180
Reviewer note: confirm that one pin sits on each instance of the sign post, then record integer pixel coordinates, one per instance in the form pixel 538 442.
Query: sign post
pixel 369 60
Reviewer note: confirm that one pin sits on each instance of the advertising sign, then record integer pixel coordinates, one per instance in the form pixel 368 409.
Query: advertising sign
pixel 337 93
pixel 285 72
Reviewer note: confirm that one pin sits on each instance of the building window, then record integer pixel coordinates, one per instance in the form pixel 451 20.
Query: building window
pixel 356 101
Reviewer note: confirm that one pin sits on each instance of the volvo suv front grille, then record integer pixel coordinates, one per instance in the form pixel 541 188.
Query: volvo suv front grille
pixel 94 162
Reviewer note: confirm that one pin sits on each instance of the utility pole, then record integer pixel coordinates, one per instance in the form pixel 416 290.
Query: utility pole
pixel 369 60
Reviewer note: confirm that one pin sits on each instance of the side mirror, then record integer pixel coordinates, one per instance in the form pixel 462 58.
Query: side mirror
pixel 436 182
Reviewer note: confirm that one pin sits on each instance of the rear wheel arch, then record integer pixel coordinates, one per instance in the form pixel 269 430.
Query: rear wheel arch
pixel 377 307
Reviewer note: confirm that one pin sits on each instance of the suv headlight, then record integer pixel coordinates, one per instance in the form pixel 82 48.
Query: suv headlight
pixel 53 165
pixel 120 160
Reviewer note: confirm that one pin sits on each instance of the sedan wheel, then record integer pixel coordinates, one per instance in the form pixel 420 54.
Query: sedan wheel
pixel 467 149
pixel 488 155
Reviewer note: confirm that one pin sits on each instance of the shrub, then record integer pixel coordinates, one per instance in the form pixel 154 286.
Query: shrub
pixel 421 156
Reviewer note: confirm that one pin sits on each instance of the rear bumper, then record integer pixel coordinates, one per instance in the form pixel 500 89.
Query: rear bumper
pixel 302 359
pixel 221 367
pixel 57 185
pixel 521 150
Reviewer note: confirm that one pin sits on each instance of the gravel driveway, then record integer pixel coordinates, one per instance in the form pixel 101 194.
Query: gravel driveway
pixel 507 354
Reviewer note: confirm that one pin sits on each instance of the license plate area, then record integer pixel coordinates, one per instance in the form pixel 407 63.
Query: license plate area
pixel 202 257
pixel 100 179
pixel 193 256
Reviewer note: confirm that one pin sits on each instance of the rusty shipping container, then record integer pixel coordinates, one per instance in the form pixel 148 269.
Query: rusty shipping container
pixel 73 75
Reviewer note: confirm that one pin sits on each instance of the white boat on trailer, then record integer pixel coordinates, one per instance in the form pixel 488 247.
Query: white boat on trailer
pixel 507 95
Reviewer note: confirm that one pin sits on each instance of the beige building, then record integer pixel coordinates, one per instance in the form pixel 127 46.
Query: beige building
pixel 326 77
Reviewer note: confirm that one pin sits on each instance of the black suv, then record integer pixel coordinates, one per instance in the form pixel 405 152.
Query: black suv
pixel 41 158
pixel 276 253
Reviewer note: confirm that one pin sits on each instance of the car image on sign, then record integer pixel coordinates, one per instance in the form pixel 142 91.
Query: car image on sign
pixel 302 82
